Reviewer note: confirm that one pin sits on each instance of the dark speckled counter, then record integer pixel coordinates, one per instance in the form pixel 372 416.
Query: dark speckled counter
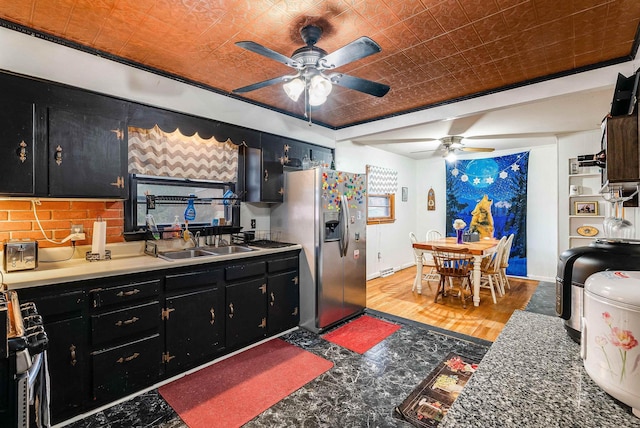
pixel 533 376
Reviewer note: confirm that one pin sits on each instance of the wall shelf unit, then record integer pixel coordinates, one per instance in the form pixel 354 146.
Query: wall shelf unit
pixel 586 183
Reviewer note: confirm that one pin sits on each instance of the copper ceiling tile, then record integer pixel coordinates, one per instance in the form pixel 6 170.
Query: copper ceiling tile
pixel 404 9
pixel 520 17
pixel 491 28
pixel 449 15
pixel 478 9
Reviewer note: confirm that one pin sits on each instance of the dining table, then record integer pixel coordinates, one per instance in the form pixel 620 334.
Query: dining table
pixel 478 249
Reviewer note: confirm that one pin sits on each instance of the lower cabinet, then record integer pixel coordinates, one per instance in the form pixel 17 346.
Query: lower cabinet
pixel 194 319
pixel 111 337
pixel 126 368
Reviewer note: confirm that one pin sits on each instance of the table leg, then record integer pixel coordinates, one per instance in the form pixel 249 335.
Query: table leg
pixel 477 274
pixel 417 283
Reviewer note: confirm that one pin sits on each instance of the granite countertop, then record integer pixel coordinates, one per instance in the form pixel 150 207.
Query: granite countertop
pixel 533 376
pixel 125 258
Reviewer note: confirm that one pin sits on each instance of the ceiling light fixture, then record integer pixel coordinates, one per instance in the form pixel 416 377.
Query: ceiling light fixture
pixel 319 88
pixel 450 156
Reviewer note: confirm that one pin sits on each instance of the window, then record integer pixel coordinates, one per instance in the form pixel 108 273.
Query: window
pixel 381 209
pixel 209 203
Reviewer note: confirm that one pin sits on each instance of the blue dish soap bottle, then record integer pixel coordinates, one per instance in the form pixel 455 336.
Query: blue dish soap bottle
pixel 190 211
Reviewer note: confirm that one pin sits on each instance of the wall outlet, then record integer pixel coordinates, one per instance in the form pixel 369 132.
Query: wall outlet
pixel 77 228
pixel 77 236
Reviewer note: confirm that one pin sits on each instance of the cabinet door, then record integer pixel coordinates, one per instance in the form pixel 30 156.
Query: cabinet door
pixel 246 312
pixel 284 301
pixel 126 369
pixel 264 176
pixel 272 170
pixel 87 155
pixel 17 148
pixel 67 366
pixel 194 329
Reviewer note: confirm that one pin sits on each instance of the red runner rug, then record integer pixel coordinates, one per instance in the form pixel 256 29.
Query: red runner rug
pixel 234 391
pixel 361 334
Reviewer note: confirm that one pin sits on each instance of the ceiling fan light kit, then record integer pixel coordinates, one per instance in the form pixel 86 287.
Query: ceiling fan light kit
pixel 310 61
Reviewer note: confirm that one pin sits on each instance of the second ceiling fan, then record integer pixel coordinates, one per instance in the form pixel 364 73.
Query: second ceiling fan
pixel 312 64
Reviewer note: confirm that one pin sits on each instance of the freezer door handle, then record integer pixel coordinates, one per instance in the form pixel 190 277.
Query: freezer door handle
pixel 345 223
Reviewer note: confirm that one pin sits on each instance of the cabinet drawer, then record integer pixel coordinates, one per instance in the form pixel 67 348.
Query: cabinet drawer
pixel 125 293
pixel 52 306
pixel 290 263
pixel 193 279
pixel 245 270
pixel 125 322
pixel 124 369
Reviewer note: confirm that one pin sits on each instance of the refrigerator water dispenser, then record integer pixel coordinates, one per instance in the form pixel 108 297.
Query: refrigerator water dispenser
pixel 331 226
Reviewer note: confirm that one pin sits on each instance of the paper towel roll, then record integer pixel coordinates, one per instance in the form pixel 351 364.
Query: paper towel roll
pixel 99 241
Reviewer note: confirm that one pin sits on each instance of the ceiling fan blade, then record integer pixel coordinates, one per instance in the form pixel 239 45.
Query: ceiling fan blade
pixel 514 136
pixel 261 50
pixel 263 84
pixel 358 84
pixel 358 49
pixel 476 149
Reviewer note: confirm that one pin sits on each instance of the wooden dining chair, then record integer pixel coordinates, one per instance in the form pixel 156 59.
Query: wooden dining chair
pixel 425 262
pixel 454 265
pixel 490 270
pixel 504 263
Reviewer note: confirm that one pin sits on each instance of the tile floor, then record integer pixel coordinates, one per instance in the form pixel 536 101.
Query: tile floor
pixel 359 391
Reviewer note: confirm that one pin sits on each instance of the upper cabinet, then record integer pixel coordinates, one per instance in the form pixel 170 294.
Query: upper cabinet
pixel 17 147
pixel 86 155
pixel 61 142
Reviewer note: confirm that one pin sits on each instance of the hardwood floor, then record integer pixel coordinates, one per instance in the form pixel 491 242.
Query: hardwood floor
pixel 393 295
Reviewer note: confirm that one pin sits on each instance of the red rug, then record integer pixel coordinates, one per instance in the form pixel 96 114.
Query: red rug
pixel 234 391
pixel 361 334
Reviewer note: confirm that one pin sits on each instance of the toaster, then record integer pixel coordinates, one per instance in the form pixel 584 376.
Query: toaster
pixel 20 254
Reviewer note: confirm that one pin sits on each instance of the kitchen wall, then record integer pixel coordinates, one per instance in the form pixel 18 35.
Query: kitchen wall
pixel 19 220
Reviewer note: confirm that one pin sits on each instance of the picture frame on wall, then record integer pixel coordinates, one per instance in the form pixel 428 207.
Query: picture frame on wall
pixel 586 207
pixel 405 194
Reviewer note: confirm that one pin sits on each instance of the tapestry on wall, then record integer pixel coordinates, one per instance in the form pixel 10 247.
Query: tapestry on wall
pixel 172 154
pixel 490 195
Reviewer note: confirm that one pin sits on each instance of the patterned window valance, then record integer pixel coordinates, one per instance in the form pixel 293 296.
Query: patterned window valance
pixel 381 181
pixel 171 154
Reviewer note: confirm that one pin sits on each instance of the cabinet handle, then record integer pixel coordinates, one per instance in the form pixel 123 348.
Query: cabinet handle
pixel 273 299
pixel 58 155
pixel 295 280
pixel 72 348
pixel 166 312
pixel 22 151
pixel 119 133
pixel 213 316
pixel 127 322
pixel 127 359
pixel 263 287
pixel 281 191
pixel 266 175
pixel 230 310
pixel 295 312
pixel 119 183
pixel 263 324
pixel 128 293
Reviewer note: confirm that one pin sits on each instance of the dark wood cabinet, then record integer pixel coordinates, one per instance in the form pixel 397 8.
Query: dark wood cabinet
pixel 62 315
pixel 283 294
pixel 246 303
pixel 194 319
pixel 87 155
pixel 264 179
pixel 17 147
pixel 113 336
pixel 620 138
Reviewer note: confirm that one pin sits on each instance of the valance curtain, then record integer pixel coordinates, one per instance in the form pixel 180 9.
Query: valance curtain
pixel 172 154
pixel 381 181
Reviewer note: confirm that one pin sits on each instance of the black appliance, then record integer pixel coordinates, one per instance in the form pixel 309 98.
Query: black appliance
pixel 577 264
pixel 23 365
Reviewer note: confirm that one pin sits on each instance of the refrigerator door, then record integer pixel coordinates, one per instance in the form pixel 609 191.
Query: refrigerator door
pixel 355 216
pixel 330 268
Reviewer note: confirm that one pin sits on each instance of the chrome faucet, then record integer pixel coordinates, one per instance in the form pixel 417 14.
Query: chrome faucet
pixel 195 238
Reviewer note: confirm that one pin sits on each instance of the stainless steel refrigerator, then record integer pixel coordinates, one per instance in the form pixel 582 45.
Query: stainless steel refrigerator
pixel 325 211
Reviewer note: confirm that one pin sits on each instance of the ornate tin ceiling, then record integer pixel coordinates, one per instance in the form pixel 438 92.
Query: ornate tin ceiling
pixel 433 51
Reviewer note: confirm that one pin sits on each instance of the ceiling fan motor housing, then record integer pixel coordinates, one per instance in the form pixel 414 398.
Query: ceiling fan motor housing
pixel 311 34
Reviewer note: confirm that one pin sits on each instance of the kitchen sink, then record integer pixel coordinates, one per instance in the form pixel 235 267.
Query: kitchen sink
pixel 231 249
pixel 191 253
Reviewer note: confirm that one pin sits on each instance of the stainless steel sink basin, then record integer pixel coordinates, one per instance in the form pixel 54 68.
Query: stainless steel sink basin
pixel 185 254
pixel 231 249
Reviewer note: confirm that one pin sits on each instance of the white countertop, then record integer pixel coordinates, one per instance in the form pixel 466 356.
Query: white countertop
pixel 125 258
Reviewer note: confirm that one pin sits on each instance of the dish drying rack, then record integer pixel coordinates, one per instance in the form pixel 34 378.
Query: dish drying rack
pixel 258 235
pixel 152 200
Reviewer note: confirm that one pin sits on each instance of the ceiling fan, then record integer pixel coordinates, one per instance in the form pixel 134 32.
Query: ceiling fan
pixel 452 144
pixel 312 64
